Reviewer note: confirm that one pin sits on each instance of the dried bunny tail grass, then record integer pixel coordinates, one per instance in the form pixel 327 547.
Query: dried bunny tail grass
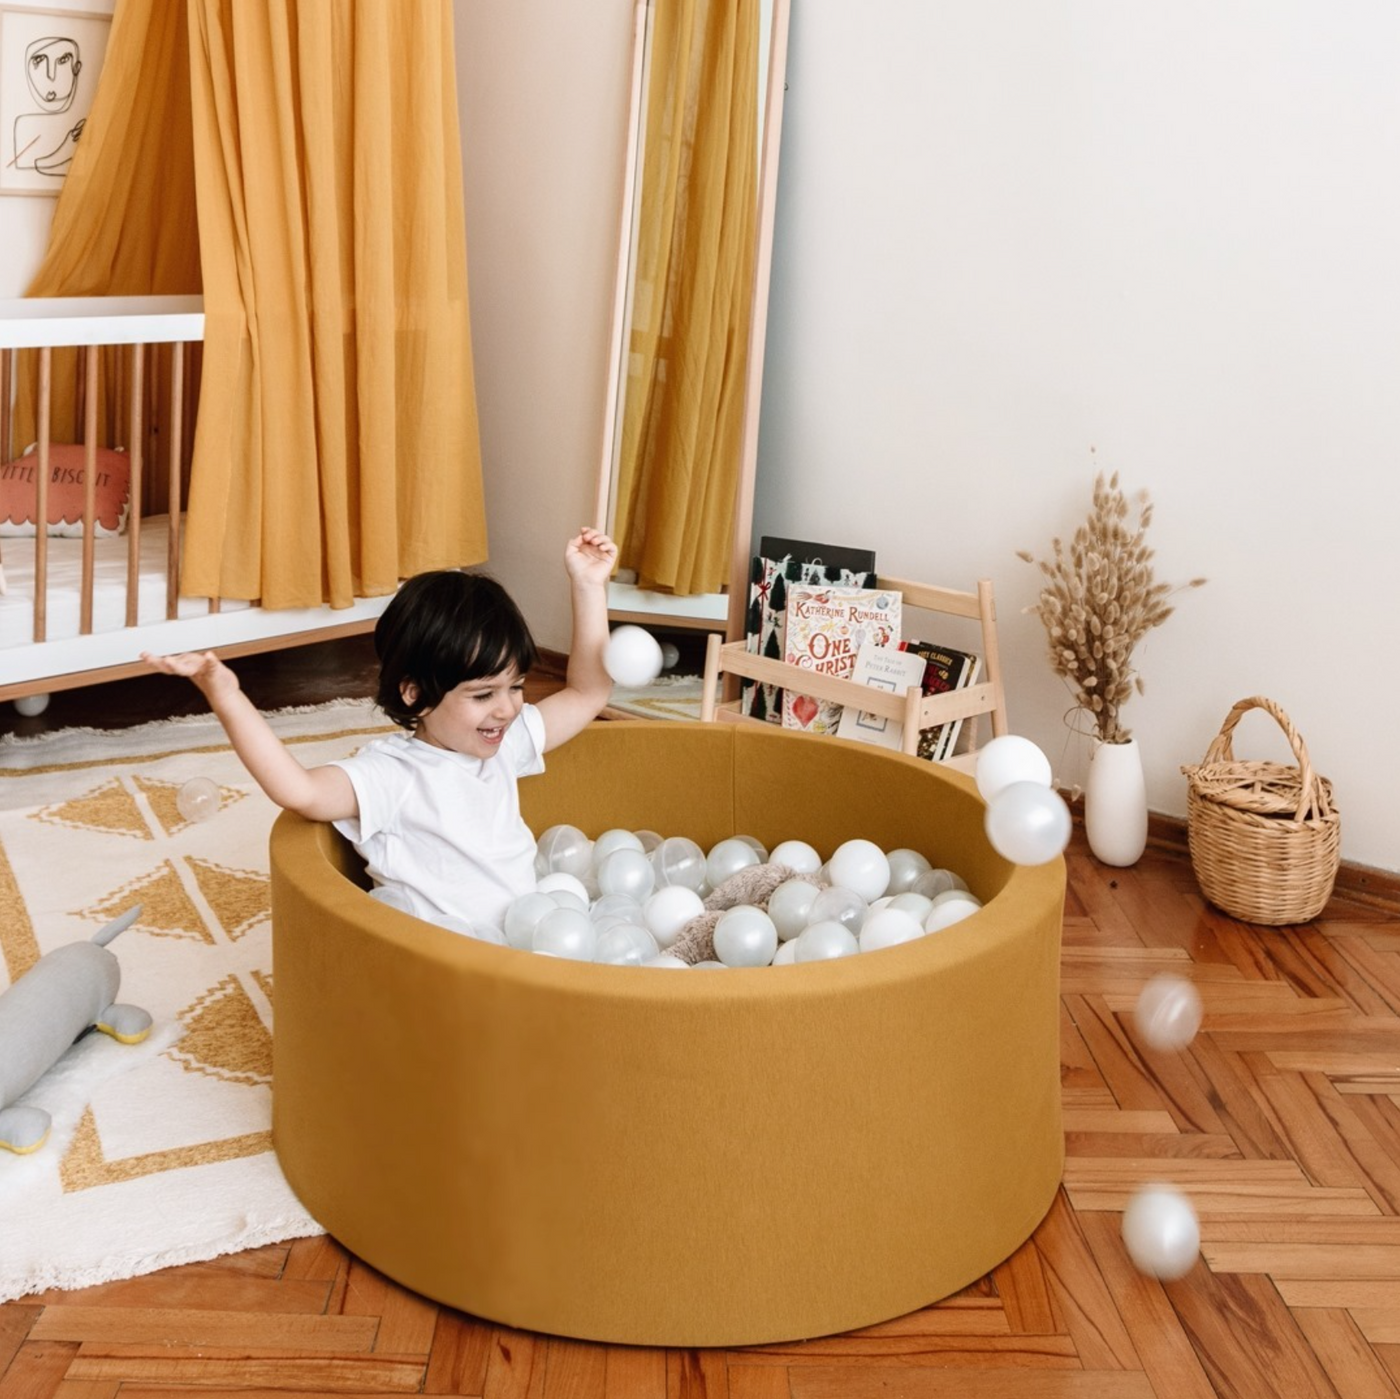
pixel 1099 598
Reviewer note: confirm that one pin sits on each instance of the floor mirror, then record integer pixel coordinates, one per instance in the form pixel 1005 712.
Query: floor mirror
pixel 680 441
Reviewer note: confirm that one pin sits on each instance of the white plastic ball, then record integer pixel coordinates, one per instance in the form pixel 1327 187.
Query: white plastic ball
pixel 797 855
pixel 1009 759
pixel 949 910
pixel 564 850
pixel 198 799
pixel 566 932
pixel 1027 824
pixel 745 937
pixel 632 656
pixel 679 860
pixel 665 959
pixel 786 955
pixel 1168 1012
pixel 31 706
pixel 668 910
pixel 861 865
pixel 625 945
pixel 758 847
pixel 627 872
pixel 1162 1234
pixel 887 927
pixel 838 904
pixel 905 867
pixel 916 905
pixel 789 906
pixel 727 858
pixel 523 916
pixel 822 942
pixel 615 839
pixel 561 883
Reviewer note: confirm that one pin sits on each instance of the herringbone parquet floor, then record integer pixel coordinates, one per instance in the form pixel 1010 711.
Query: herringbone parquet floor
pixel 1281 1121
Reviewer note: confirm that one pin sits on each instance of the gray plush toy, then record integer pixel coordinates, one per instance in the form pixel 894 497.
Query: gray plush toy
pixel 63 995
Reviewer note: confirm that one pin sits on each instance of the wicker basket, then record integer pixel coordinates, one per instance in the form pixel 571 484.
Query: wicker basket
pixel 1265 838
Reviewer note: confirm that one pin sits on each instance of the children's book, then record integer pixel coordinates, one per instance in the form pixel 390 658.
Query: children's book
pixel 884 668
pixel 944 669
pixel 823 631
pixel 779 564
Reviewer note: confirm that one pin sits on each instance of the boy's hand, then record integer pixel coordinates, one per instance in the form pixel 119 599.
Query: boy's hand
pixel 207 671
pixel 590 557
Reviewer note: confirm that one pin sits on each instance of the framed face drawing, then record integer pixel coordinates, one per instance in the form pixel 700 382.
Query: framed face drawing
pixel 49 62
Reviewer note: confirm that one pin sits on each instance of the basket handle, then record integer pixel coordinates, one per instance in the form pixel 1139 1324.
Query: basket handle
pixel 1312 794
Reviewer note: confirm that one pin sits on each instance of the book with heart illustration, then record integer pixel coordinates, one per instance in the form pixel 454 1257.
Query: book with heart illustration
pixel 824 629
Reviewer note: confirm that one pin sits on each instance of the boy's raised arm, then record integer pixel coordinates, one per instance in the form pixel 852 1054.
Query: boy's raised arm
pixel 319 794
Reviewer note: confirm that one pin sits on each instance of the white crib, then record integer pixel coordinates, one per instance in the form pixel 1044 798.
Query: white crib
pixel 80 610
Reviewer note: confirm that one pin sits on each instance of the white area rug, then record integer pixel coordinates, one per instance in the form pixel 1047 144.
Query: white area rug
pixel 667 697
pixel 161 1152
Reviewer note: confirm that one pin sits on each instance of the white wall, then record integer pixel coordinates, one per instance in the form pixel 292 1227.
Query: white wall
pixel 543 94
pixel 1017 243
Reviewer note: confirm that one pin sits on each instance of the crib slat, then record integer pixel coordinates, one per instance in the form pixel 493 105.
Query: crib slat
pixel 177 427
pixel 89 487
pixel 7 389
pixel 136 455
pixel 41 498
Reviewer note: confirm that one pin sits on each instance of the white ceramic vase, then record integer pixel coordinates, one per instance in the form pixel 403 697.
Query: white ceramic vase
pixel 1115 803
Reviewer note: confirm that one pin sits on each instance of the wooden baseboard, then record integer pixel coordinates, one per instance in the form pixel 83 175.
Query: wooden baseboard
pixel 1379 887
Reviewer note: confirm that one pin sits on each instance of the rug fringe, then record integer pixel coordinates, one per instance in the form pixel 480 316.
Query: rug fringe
pixel 69 1279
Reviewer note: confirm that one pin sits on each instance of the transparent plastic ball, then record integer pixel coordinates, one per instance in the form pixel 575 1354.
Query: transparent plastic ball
pixel 627 871
pixel 523 916
pixel 789 906
pixel 759 848
pixel 938 881
pixel 1168 1012
pixel 624 945
pixel 861 865
pixel 726 858
pixel 838 904
pixel 679 860
pixel 665 959
pixel 609 841
pixel 648 840
pixel 566 932
pixel 607 904
pixel 198 799
pixel 905 867
pixel 824 941
pixel 564 849
pixel 745 937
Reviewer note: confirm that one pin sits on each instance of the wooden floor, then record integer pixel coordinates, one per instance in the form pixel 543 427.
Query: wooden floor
pixel 1281 1121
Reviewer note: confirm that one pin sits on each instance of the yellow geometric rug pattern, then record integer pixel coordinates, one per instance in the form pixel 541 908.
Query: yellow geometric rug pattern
pixel 160 1152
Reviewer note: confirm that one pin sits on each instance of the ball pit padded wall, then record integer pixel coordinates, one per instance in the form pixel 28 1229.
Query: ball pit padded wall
pixel 678 1158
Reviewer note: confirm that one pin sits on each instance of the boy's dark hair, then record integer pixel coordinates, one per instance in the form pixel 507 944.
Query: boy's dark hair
pixel 442 628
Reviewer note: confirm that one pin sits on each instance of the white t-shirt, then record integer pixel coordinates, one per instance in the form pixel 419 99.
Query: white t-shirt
pixel 441 833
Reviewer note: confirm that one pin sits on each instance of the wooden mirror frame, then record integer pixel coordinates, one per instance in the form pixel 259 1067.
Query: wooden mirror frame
pixel 753 386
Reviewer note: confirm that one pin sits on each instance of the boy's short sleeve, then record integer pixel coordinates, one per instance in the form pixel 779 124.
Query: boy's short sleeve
pixel 380 781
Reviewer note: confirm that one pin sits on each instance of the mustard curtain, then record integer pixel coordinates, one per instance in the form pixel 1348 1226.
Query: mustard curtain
pixel 684 380
pixel 337 447
pixel 124 221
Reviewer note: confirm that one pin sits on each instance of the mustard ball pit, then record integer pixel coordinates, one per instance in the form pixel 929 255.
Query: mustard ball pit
pixel 676 1158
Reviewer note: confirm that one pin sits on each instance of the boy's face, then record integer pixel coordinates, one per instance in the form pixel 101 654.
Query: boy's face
pixel 473 718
